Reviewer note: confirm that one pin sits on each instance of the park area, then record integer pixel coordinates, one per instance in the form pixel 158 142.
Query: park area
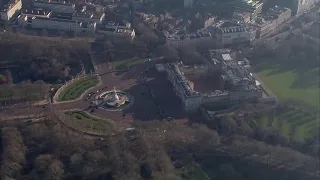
pixel 77 87
pixel 290 70
pixel 84 122
pixel 23 91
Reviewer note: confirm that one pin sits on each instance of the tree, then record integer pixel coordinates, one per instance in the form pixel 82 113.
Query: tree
pixel 259 133
pixel 9 77
pixel 145 171
pixel 56 169
pixel 245 130
pixel 227 172
pixel 46 167
pixel 189 55
pixel 227 126
pixel 13 155
pixel 168 52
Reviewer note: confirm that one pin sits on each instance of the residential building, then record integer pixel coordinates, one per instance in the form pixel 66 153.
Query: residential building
pixel 229 32
pixel 9 9
pixel 54 21
pixel 89 13
pixel 117 28
pixel 271 19
pixel 55 5
pixel 201 37
pixel 254 7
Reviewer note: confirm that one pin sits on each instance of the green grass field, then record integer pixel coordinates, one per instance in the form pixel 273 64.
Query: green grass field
pixel 84 122
pixel 74 90
pixel 23 91
pixel 295 123
pixel 281 84
pixel 293 76
pixel 121 64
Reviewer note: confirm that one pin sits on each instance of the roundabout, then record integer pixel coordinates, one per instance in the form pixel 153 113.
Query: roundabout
pixel 113 100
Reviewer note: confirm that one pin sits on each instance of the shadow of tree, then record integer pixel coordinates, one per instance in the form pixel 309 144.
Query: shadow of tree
pixel 154 98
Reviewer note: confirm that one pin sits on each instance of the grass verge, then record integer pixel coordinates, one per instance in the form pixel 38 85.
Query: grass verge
pixel 84 122
pixel 78 87
pixel 282 85
pixel 124 64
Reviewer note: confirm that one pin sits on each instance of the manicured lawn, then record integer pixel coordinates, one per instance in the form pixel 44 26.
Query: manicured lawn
pixel 121 64
pixel 281 84
pixel 294 86
pixel 23 91
pixel 84 122
pixel 296 123
pixel 74 90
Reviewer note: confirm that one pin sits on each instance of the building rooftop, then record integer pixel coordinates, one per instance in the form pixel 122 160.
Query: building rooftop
pixel 271 15
pixel 90 15
pixel 62 15
pixel 81 24
pixel 226 57
pixel 179 35
pixel 182 80
pixel 36 11
pixel 5 5
pixel 227 26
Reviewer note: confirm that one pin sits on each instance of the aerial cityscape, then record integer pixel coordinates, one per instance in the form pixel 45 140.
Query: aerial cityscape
pixel 159 89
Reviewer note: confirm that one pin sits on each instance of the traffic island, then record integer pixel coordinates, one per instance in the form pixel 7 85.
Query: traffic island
pixel 83 122
pixel 74 89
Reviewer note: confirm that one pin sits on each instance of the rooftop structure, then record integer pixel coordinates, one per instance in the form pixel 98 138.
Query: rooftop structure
pixel 36 11
pixel 8 9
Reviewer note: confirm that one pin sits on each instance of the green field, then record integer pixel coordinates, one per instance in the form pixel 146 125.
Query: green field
pixel 281 85
pixel 23 91
pixel 290 70
pixel 84 122
pixel 122 64
pixel 74 90
pixel 296 123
